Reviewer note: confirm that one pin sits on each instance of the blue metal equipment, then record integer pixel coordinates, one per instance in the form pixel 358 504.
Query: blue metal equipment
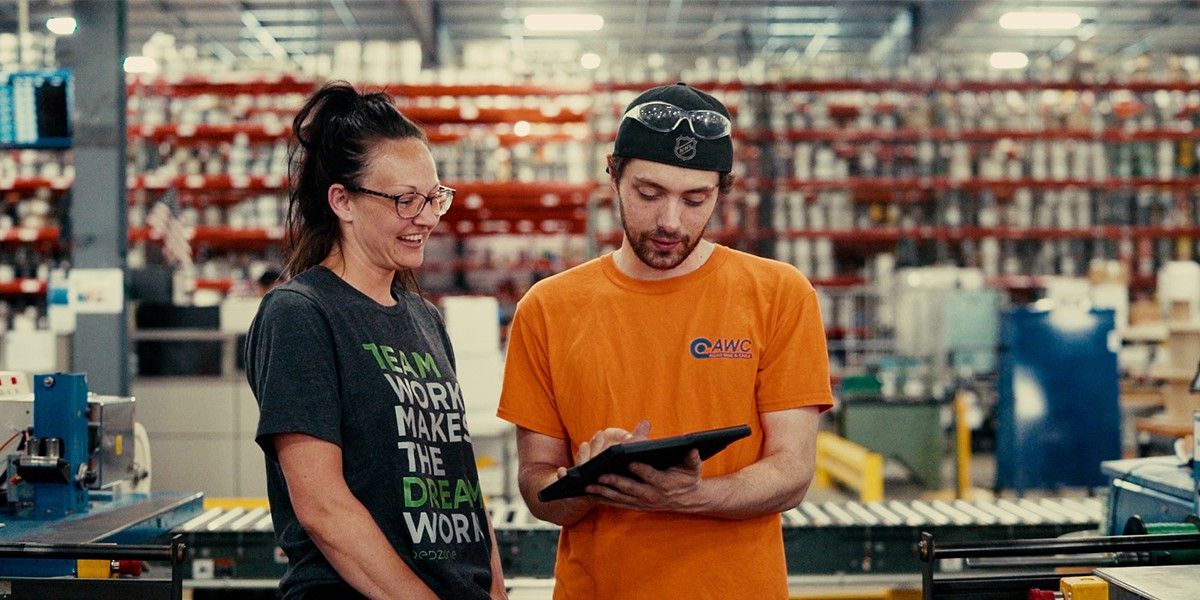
pixel 62 484
pixel 1057 415
pixel 60 425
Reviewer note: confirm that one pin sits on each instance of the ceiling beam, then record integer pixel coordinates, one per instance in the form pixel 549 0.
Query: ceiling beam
pixel 929 33
pixel 343 13
pixel 425 17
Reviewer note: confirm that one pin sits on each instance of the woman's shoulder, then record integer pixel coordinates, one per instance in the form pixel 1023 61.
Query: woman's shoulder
pixel 306 291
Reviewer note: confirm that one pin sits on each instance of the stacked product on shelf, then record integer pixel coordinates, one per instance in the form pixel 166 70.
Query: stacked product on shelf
pixel 33 183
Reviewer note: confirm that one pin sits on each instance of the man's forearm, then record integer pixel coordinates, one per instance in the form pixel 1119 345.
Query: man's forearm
pixel 534 478
pixel 772 485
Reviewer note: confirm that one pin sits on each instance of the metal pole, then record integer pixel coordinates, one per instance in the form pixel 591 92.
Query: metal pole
pixel 99 230
pixel 96 551
pixel 22 30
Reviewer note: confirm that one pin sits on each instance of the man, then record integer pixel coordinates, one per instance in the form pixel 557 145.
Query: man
pixel 671 334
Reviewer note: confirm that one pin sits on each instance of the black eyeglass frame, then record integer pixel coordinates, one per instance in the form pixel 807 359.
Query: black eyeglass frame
pixel 439 209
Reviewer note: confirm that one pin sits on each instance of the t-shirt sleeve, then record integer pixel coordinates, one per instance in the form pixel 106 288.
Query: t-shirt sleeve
pixel 794 370
pixel 293 370
pixel 527 396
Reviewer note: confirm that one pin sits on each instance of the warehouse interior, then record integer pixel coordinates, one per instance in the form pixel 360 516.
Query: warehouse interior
pixel 997 201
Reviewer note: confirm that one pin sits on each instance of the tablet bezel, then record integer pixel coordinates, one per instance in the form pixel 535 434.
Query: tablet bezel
pixel 661 454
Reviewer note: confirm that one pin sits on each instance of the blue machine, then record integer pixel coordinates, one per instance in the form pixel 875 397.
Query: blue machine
pixel 1157 489
pixel 1160 489
pixel 58 447
pixel 62 484
pixel 1057 417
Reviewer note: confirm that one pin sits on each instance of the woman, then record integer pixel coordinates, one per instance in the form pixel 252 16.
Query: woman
pixel 370 470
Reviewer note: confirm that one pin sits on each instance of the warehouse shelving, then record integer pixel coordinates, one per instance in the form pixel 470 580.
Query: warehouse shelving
pixel 23 287
pixel 846 135
pixel 26 235
pixel 971 135
pixel 895 234
pixel 912 86
pixel 260 110
pixel 32 184
pixel 202 86
pixel 455 113
pixel 941 183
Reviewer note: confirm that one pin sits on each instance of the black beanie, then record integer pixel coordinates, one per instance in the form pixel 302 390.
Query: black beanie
pixel 681 147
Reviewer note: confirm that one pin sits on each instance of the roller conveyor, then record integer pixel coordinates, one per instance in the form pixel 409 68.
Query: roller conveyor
pixel 855 538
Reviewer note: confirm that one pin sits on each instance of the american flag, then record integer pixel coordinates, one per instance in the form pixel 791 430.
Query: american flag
pixel 165 225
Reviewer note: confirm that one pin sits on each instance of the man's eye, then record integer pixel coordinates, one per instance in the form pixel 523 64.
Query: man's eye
pixel 648 194
pixel 693 202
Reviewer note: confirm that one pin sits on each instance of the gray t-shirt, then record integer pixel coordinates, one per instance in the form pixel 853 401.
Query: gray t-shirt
pixel 325 360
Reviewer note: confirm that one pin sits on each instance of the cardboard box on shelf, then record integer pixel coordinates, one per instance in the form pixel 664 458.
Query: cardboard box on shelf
pixel 1108 271
pixel 1143 312
pixel 1180 311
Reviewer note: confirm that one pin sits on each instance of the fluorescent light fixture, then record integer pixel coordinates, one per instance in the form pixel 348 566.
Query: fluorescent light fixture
pixel 1049 20
pixel 802 13
pixel 61 25
pixel 291 32
pixel 264 37
pixel 140 64
pixel 801 29
pixel 521 128
pixel 590 60
pixel 564 22
pixel 1008 60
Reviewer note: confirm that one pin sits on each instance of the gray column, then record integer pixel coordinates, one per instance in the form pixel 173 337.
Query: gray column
pixel 99 235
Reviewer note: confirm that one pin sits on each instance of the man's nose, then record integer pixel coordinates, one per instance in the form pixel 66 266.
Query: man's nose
pixel 670 218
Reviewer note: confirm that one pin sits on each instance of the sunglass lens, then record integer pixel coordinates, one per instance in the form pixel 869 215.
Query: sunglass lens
pixel 659 117
pixel 709 124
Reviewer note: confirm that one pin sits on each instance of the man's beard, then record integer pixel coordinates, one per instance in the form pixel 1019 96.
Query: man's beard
pixel 651 256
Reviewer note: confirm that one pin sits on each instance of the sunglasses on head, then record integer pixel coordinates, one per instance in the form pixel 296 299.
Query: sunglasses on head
pixel 664 118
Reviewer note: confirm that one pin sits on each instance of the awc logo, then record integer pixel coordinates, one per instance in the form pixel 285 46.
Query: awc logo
pixel 721 348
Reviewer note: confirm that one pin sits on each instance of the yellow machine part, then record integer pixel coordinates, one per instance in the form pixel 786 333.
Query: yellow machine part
pixel 1087 587
pixel 93 569
pixel 248 503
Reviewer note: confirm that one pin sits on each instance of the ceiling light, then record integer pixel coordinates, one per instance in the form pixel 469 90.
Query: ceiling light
pixel 590 60
pixel 1040 20
pixel 264 37
pixel 564 22
pixel 521 128
pixel 802 29
pixel 140 64
pixel 61 25
pixel 1008 60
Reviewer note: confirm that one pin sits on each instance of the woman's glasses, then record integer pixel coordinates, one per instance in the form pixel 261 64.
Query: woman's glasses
pixel 410 204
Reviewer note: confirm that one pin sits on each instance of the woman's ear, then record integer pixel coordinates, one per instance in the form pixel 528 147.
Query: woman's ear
pixel 339 202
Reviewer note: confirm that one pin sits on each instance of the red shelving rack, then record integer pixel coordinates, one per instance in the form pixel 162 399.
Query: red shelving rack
pixel 23 287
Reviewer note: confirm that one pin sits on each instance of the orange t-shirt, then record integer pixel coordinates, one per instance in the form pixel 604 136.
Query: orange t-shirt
pixel 592 348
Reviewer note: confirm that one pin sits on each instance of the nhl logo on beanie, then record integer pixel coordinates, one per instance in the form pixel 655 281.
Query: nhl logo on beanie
pixel 685 147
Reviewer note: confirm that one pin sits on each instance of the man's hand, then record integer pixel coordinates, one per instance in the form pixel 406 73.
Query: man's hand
pixel 674 489
pixel 605 438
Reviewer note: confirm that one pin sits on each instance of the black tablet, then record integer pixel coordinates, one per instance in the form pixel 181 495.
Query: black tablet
pixel 662 453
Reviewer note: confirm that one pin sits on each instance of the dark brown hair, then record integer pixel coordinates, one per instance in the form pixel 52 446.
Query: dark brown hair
pixel 617 164
pixel 333 133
